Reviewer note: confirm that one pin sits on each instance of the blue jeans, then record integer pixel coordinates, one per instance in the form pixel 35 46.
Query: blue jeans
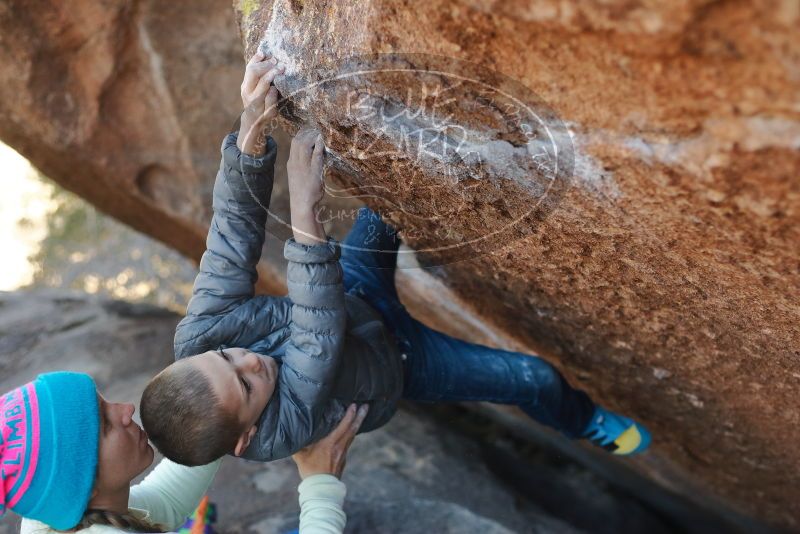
pixel 440 368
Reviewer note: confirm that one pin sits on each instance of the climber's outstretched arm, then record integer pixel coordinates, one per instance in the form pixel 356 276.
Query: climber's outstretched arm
pixel 240 201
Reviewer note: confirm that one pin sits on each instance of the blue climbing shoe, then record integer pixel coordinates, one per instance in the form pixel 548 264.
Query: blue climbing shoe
pixel 616 433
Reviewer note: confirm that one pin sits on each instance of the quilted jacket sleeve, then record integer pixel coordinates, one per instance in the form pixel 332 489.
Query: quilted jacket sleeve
pixel 227 274
pixel 314 278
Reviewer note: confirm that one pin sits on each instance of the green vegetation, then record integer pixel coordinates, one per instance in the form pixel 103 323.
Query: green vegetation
pixel 87 250
pixel 247 7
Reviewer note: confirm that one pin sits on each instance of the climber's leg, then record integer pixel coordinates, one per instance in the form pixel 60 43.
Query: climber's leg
pixel 440 368
pixel 369 258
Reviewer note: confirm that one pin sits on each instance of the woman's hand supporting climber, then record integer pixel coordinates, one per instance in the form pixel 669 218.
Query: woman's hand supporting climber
pixel 329 455
pixel 260 101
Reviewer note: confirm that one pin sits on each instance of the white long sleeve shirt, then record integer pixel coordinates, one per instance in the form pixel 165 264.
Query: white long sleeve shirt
pixel 171 492
pixel 321 501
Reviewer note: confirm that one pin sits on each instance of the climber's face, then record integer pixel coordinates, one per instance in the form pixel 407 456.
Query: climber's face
pixel 243 381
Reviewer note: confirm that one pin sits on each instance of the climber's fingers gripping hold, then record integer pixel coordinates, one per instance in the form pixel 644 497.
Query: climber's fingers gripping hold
pixel 259 64
pixel 259 96
pixel 260 100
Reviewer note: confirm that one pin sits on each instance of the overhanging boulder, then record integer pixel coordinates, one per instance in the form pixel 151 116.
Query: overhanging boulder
pixel 663 273
pixel 124 103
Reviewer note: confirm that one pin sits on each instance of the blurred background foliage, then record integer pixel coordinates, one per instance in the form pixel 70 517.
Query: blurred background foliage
pixel 86 250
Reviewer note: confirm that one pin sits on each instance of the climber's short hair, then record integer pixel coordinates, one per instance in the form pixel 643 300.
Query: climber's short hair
pixel 184 418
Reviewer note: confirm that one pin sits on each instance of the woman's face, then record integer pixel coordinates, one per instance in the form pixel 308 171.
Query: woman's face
pixel 124 450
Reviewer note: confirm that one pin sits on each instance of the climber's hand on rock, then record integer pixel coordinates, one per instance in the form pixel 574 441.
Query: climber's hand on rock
pixel 305 170
pixel 306 186
pixel 260 101
pixel 257 89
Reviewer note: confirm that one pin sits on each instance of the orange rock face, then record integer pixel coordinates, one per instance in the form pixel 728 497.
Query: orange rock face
pixel 654 258
pixel 662 269
pixel 123 103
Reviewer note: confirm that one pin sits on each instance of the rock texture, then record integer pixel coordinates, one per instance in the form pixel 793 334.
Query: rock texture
pixel 123 103
pixel 664 273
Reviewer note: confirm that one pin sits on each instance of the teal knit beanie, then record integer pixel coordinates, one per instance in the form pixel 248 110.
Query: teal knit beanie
pixel 49 439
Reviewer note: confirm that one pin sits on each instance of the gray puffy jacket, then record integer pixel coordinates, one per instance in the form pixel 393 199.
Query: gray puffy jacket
pixel 333 348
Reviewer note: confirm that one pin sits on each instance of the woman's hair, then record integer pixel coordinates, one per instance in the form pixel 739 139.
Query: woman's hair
pixel 113 519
